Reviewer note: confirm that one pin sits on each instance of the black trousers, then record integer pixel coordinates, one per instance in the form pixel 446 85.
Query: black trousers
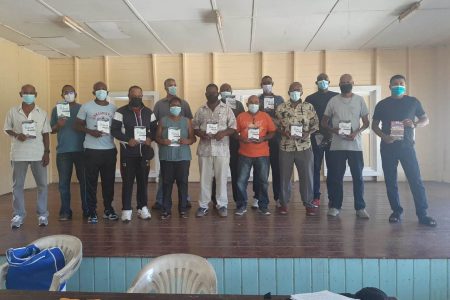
pixel 134 168
pixel 172 171
pixel 101 162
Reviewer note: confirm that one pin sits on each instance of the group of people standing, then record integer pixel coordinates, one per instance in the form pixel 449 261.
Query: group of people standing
pixel 272 134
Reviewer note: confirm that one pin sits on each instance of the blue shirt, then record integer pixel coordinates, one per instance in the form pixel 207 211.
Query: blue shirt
pixel 69 140
pixel 91 112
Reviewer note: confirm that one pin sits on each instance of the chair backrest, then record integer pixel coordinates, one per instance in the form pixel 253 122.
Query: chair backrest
pixel 72 248
pixel 176 274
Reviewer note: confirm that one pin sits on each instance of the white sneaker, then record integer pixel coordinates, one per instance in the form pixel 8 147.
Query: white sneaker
pixel 144 214
pixel 333 212
pixel 126 215
pixel 42 221
pixel 362 214
pixel 17 221
pixel 255 203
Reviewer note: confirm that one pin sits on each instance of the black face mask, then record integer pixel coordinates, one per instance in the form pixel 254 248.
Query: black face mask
pixel 346 88
pixel 135 102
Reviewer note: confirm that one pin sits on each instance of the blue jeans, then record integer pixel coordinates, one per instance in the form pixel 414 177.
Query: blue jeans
pixel 65 163
pixel 391 154
pixel 260 176
pixel 336 171
pixel 319 154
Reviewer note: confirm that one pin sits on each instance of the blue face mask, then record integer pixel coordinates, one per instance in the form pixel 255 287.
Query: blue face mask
pixel 225 94
pixel 101 95
pixel 175 110
pixel 28 98
pixel 323 84
pixel 253 108
pixel 398 90
pixel 172 90
pixel 295 95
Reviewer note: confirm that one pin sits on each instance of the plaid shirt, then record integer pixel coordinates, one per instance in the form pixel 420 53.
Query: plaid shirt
pixel 303 114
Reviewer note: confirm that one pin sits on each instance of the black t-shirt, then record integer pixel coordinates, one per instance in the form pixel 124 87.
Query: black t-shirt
pixel 320 100
pixel 391 109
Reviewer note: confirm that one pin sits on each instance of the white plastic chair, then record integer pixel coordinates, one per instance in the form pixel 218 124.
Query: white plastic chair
pixel 176 274
pixel 72 248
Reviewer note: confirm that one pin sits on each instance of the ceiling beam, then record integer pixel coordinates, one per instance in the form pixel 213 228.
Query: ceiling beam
pixel 147 25
pixel 57 12
pixel 218 18
pixel 321 25
pixel 253 25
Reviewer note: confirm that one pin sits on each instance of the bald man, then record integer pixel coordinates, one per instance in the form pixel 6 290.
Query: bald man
pixel 28 126
pixel 346 111
pixel 94 119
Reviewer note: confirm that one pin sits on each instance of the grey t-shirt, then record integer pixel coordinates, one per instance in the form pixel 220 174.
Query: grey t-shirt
pixel 91 112
pixel 341 109
pixel 162 109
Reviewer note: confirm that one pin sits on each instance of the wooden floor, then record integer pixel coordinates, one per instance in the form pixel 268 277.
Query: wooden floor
pixel 251 235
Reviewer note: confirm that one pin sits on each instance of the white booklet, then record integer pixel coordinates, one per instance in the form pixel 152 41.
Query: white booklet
pixel 63 110
pixel 296 131
pixel 103 126
pixel 212 128
pixel 345 128
pixel 253 134
pixel 29 129
pixel 140 133
pixel 174 135
pixel 269 103
pixel 397 130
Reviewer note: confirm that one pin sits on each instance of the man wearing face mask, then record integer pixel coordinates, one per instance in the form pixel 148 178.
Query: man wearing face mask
pixel 94 119
pixel 268 102
pixel 298 120
pixel 134 125
pixel 254 129
pixel 28 127
pixel 345 112
pixel 161 110
pixel 69 150
pixel 236 106
pixel 214 122
pixel 321 139
pixel 400 115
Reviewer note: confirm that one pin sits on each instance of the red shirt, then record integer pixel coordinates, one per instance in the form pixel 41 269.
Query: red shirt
pixel 265 124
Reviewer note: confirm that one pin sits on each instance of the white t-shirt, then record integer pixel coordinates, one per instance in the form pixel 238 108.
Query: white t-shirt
pixel 341 109
pixel 93 113
pixel 33 148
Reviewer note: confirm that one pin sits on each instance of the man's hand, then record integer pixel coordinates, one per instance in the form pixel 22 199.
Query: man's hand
pixel 95 133
pixel 184 141
pixel 388 139
pixel 148 142
pixel 220 135
pixel 45 159
pixel 166 142
pixel 61 122
pixel 351 136
pixel 286 133
pixel 305 136
pixel 21 137
pixel 408 123
pixel 203 135
pixel 132 142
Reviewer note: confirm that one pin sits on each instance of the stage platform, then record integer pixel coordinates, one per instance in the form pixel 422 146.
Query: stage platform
pixel 255 254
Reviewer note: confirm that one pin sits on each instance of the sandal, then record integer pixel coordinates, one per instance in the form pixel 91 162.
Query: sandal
pixel 394 218
pixel 428 221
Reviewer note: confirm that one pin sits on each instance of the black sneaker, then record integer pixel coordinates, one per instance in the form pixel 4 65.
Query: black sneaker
pixel 201 212
pixel 165 216
pixel 110 214
pixel 264 211
pixel 92 219
pixel 183 215
pixel 65 217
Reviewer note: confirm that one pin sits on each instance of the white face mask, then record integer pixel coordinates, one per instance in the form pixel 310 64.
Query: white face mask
pixel 70 97
pixel 267 88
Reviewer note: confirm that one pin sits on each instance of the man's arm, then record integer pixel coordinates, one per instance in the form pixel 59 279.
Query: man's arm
pixel 46 156
pixel 80 125
pixel 376 128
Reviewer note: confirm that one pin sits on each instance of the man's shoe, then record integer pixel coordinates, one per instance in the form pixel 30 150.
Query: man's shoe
pixel 126 215
pixel 144 213
pixel 282 210
pixel 333 212
pixel 110 214
pixel 277 203
pixel 42 221
pixel 93 219
pixel 427 221
pixel 264 211
pixel 183 214
pixel 255 203
pixel 16 222
pixel 316 202
pixel 311 211
pixel 201 212
pixel 165 215
pixel 240 211
pixel 362 214
pixel 65 217
pixel 395 218
pixel 223 212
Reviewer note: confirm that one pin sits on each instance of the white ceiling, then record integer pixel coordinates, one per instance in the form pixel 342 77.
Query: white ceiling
pixel 177 26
